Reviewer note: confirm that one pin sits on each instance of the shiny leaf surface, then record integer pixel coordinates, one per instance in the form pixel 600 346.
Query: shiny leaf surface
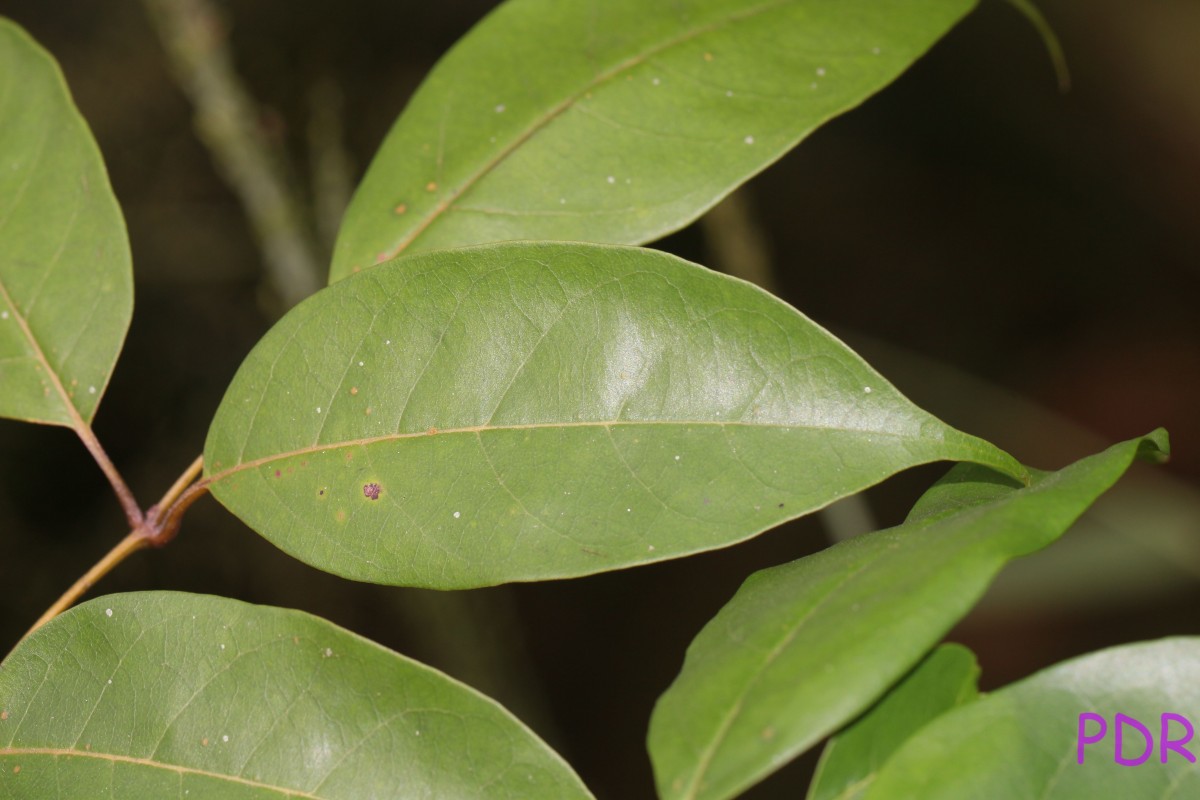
pixel 533 411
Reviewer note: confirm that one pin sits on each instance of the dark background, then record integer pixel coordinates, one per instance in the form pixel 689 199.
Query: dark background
pixel 1004 240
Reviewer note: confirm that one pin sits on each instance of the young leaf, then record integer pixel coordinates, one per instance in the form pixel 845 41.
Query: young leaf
pixel 66 287
pixel 618 121
pixel 162 694
pixel 946 679
pixel 1026 740
pixel 531 411
pixel 803 648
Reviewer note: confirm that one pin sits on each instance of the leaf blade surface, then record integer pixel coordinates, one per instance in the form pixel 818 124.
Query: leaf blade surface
pixel 803 648
pixel 1021 740
pixel 534 411
pixel 626 121
pixel 161 694
pixel 66 287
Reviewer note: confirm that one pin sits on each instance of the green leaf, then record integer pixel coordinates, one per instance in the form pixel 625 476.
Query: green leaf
pixel 944 680
pixel 66 286
pixel 532 411
pixel 619 121
pixel 161 694
pixel 803 648
pixel 1023 741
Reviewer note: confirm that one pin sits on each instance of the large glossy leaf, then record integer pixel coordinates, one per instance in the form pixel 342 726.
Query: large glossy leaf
pixel 1024 740
pixel 619 120
pixel 944 680
pixel 803 648
pixel 66 288
pixel 162 694
pixel 531 411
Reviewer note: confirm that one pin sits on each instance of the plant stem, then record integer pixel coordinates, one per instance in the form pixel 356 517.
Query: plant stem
pixel 134 541
pixel 189 475
pixel 153 528
pixel 133 512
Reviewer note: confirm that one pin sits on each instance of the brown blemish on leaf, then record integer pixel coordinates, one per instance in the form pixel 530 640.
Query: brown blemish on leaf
pixel 353 390
pixel 431 186
pixel 295 640
pixel 204 742
pixel 341 515
pixel 400 209
pixel 768 734
pixel 432 431
pixel 708 56
pixel 3 715
pixel 371 491
pixel 16 769
pixel 278 474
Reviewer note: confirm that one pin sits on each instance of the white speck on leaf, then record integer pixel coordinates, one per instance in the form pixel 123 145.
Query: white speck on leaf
pixel 749 140
pixel 91 390
pixel 820 72
pixel 676 458
pixel 222 647
pixel 110 680
pixel 500 108
pixel 318 409
pixel 457 514
pixel 629 509
pixel 225 738
pixel 867 389
pixel 656 81
pixel 875 50
pixel 649 548
pixel 812 86
pixel 562 201
pixel 387 341
pixel 360 363
pixel 328 652
pixel 729 93
pixel 3 315
pixel 611 179
pixel 108 612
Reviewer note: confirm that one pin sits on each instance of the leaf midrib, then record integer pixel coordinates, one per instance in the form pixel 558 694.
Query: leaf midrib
pixel 478 429
pixel 539 123
pixel 145 762
pixel 785 641
pixel 75 419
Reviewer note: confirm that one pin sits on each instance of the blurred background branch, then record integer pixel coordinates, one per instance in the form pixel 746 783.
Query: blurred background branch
pixel 231 125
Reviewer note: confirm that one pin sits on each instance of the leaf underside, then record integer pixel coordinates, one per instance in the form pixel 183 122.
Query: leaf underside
pixel 533 411
pixel 66 287
pixel 619 121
